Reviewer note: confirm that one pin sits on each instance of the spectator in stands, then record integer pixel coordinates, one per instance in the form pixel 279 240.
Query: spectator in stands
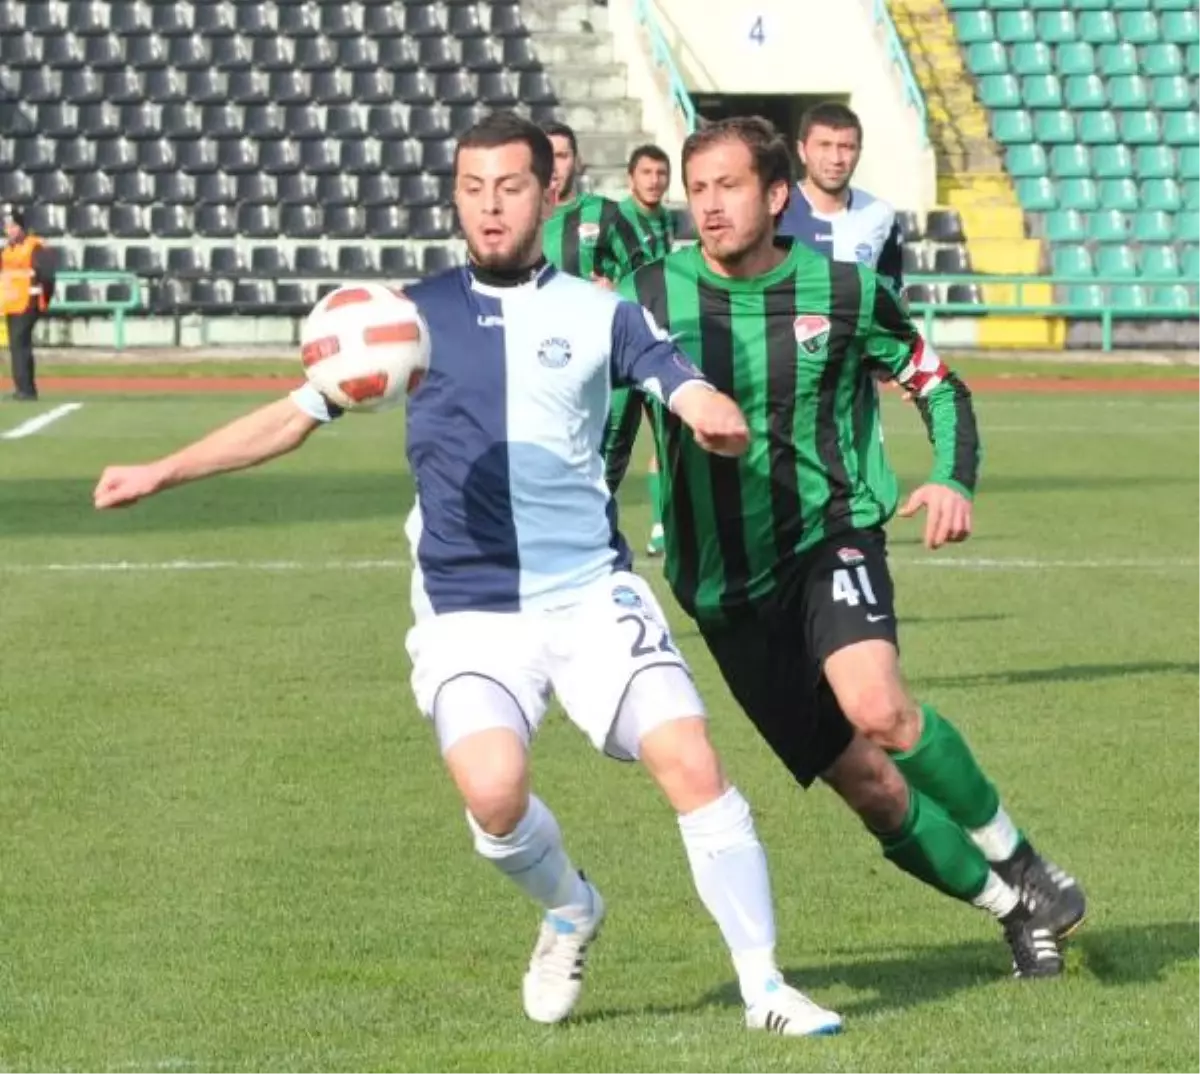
pixel 27 275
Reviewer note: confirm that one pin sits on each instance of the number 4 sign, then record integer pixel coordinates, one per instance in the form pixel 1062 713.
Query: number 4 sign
pixel 758 33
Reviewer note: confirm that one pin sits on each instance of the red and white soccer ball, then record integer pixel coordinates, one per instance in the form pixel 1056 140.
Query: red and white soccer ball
pixel 365 347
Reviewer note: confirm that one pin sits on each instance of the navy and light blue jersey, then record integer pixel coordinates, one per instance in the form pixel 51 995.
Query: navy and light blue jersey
pixel 865 231
pixel 512 511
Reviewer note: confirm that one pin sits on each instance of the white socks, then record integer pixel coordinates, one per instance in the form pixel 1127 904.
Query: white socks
pixel 729 868
pixel 999 838
pixel 532 856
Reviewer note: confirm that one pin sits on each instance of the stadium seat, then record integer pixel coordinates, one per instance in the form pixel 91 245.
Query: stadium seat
pixel 913 261
pixel 1085 92
pixel 1090 296
pixel 345 222
pixel 1054 127
pixel 1055 27
pixel 257 221
pixel 1189 161
pixel 1173 297
pixel 1108 225
pixel 1191 262
pixel 1119 194
pixel 1180 27
pixel 951 261
pixel 1158 162
pixel 313 261
pixel 1162 58
pixel 432 222
pixel 1159 262
pixel 1072 262
pixel 1027 161
pixel 1161 194
pixel 1112 162
pixel 320 156
pixel 270 261
pixel 144 260
pixel 1150 226
pixel 1036 194
pixel 944 226
pixel 1128 296
pixel 1116 261
pixel 1028 58
pixel 1173 93
pixel 1129 92
pixel 402 156
pixel 1097 27
pixel 1000 91
pixel 1187 226
pixel 1075 58
pixel 910 226
pixel 387 222
pixel 1097 128
pixel 1066 225
pixel 383 20
pixel 1118 58
pixel 378 189
pixel 101 258
pixel 301 221
pixel 337 189
pixel 1014 26
pixel 1192 58
pixel 1070 161
pixel 228 261
pixel 399 263
pixel 253 296
pixel 920 294
pixel 1140 128
pixel 357 262
pixel 1012 126
pixel 170 188
pixel 1138 27
pixel 506 20
pixel 1041 91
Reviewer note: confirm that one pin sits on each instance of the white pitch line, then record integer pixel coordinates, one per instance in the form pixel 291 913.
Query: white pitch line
pixel 36 425
pixel 268 566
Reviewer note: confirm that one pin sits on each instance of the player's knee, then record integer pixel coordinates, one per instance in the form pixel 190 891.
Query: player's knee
pixel 885 715
pixel 681 759
pixel 496 801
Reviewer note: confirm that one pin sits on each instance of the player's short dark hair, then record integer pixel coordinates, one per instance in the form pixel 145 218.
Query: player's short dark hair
pixel 832 114
pixel 649 151
pixel 552 128
pixel 507 128
pixel 769 154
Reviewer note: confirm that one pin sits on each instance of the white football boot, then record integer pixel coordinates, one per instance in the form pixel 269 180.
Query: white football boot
pixel 555 978
pixel 789 1012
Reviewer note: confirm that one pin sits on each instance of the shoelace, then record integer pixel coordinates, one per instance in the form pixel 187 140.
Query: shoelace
pixel 558 954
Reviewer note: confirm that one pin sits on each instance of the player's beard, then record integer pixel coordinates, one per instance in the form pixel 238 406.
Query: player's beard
pixel 524 253
pixel 733 256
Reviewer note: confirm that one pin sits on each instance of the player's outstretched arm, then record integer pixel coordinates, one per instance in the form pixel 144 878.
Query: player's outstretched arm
pixel 944 403
pixel 265 433
pixel 716 421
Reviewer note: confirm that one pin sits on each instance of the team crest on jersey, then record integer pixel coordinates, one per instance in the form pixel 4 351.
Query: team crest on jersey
pixel 850 556
pixel 625 597
pixel 554 353
pixel 864 252
pixel 588 233
pixel 812 332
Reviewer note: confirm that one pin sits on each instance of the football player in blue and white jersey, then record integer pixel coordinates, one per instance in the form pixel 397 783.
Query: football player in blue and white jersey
pixel 521 585
pixel 829 215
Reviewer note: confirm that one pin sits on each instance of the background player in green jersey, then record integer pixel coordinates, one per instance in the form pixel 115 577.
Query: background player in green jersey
pixel 780 556
pixel 587 235
pixel 649 178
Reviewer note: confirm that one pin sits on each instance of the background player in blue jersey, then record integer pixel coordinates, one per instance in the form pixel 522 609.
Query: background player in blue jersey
pixel 520 584
pixel 829 215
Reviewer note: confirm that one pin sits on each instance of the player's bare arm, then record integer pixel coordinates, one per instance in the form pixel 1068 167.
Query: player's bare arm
pixel 263 434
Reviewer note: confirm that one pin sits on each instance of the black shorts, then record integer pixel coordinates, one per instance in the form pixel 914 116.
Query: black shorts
pixel 836 594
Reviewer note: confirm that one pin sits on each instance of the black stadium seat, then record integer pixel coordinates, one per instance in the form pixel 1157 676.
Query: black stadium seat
pixel 228 261
pixel 387 222
pixel 399 263
pixel 95 187
pixel 357 262
pixel 186 261
pixel 144 260
pixel 337 189
pixel 217 188
pixel 134 188
pixel 129 221
pixel 313 261
pixel 270 261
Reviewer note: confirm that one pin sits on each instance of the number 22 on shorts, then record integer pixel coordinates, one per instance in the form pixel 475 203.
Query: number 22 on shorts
pixel 643 631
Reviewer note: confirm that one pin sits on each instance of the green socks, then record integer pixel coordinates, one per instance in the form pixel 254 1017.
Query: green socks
pixel 942 767
pixel 935 850
pixel 652 487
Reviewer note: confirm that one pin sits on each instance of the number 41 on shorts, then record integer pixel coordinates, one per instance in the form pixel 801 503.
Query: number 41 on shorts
pixel 845 589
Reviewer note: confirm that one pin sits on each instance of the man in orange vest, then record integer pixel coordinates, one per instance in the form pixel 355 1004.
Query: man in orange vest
pixel 26 287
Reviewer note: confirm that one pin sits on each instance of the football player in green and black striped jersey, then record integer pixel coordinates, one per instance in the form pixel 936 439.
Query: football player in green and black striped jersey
pixel 588 235
pixel 780 555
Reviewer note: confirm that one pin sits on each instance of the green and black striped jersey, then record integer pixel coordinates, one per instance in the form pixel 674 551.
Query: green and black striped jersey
pixel 796 347
pixel 589 236
pixel 656 228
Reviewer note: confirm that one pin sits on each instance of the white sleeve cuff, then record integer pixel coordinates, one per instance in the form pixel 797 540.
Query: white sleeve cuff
pixel 313 403
pixel 687 386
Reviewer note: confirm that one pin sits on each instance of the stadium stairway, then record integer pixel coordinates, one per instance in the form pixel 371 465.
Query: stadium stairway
pixel 972 178
pixel 577 50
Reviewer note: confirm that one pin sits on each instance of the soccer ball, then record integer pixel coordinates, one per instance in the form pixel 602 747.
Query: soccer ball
pixel 365 347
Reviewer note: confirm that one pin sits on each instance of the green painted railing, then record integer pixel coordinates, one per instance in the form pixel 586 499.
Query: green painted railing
pixel 898 55
pixel 119 308
pixel 1136 299
pixel 660 50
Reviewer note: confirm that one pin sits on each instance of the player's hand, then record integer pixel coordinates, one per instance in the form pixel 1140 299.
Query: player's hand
pixel 948 514
pixel 716 421
pixel 121 486
pixel 884 377
pixel 603 281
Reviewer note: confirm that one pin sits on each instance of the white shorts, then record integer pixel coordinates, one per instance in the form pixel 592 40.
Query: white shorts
pixel 587 654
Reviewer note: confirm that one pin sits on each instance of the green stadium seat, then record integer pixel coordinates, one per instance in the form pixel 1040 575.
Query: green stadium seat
pixel 1174 5
pixel 1097 128
pixel 1108 225
pixel 1128 296
pixel 1156 162
pixel 1097 27
pixel 1085 93
pixel 1140 128
pixel 974 26
pixel 1181 128
pixel 1172 93
pixel 1012 127
pixel 1041 91
pixel 1116 262
pixel 1131 5
pixel 1066 225
pixel 1072 262
pixel 1162 58
pixel 1000 91
pixel 1055 126
pixel 1075 58
pixel 1086 5
pixel 1006 5
pixel 1013 26
pixel 1112 162
pixel 1129 92
pixel 1082 194
pixel 1138 27
pixel 1191 262
pixel 1162 195
pixel 1055 27
pixel 1187 226
pixel 1189 162
pixel 965 5
pixel 1159 262
pixel 1181 27
pixel 1118 58
pixel 1090 296
pixel 1119 194
pixel 987 58
pixel 1192 59
pixel 1044 5
pixel 1151 225
pixel 1191 194
pixel 1032 58
pixel 1026 161
pixel 1173 297
pixel 1070 161
pixel 1037 194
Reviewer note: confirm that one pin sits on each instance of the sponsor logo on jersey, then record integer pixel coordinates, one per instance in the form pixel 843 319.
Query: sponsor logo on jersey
pixel 554 353
pixel 588 233
pixel 850 556
pixel 864 252
pixel 489 320
pixel 625 597
pixel 812 332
